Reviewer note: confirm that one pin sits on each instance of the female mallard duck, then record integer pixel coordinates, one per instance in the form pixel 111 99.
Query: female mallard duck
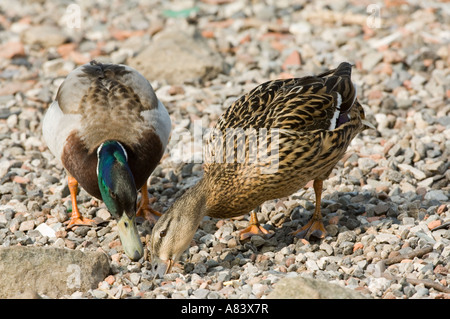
pixel 309 122
pixel 109 131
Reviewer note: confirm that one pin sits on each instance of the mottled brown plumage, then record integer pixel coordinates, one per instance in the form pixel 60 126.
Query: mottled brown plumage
pixel 309 123
pixel 101 102
pixel 109 131
pixel 110 104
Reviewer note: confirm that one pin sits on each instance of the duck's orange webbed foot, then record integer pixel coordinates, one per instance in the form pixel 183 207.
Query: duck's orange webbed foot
pixel 254 228
pixel 79 221
pixel 144 210
pixel 315 225
pixel 76 219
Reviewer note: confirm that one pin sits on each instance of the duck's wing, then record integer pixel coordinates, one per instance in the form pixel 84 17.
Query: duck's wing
pixel 310 123
pixel 302 104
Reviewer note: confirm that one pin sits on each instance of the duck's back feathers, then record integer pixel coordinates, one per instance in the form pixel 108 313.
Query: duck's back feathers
pixel 106 83
pixel 116 95
pixel 100 102
pixel 301 104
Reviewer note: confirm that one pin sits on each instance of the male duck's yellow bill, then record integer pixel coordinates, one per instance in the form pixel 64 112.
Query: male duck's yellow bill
pixel 129 237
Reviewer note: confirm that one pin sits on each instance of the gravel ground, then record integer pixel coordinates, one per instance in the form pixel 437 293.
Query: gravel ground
pixel 386 204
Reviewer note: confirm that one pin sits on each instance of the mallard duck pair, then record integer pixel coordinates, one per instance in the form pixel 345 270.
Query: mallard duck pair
pixel 313 120
pixel 109 131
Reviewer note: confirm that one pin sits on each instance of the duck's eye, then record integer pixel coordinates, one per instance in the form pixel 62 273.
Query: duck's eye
pixel 162 233
pixel 112 194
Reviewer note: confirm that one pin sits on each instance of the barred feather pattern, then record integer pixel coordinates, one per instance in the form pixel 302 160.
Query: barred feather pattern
pixel 296 115
pixel 108 93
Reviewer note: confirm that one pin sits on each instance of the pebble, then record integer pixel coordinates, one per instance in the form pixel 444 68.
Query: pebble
pixel 103 214
pixel 99 294
pixel 366 164
pixel 44 35
pixel 388 197
pixel 12 49
pixel 57 67
pixel 201 293
pixel 418 174
pixel 27 225
pixel 438 195
pixel 135 278
pixel 370 60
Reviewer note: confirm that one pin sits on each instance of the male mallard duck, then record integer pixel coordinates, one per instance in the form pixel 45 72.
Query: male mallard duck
pixel 315 118
pixel 109 131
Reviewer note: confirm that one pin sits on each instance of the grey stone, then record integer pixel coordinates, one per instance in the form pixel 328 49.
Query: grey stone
pixel 366 164
pixel 200 268
pixel 208 239
pixel 426 182
pixel 135 278
pixel 395 150
pixel 82 230
pixel 418 80
pixel 57 67
pixel 349 236
pixel 52 272
pixel 99 294
pixel 414 171
pixel 421 293
pixel 178 56
pixel 201 293
pixel 394 176
pixel 257 240
pixel 378 284
pixel 213 295
pixel 309 288
pixel 346 247
pixel 436 167
pixel 444 121
pixel 387 238
pixel 381 208
pixel 371 60
pixel 44 35
pixel 311 265
pixel 436 195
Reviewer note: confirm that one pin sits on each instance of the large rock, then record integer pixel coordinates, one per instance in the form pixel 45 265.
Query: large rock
pixel 44 35
pixel 308 288
pixel 178 56
pixel 53 272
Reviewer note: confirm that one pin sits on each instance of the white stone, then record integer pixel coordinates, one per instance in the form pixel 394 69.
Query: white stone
pixel 59 243
pixel 46 230
pixel 311 265
pixel 135 278
pixel 300 28
pixel 378 285
pixel 414 171
pixel 387 238
pixel 103 214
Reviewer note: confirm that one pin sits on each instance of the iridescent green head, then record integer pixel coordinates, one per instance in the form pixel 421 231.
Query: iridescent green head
pixel 118 190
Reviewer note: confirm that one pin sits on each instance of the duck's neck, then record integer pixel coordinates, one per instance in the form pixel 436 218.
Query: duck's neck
pixel 109 152
pixel 194 201
pixel 114 175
